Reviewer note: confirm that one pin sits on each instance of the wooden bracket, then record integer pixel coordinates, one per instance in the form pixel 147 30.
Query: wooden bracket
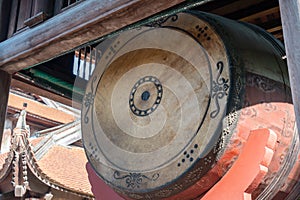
pixel 249 169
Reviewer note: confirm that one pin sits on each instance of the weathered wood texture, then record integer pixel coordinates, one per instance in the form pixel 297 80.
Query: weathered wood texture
pixel 4 12
pixel 87 21
pixel 290 16
pixel 5 79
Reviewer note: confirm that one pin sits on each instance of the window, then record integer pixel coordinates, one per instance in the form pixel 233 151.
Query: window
pixel 27 13
pixel 61 5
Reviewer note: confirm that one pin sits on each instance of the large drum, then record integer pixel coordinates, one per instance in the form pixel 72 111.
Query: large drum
pixel 171 104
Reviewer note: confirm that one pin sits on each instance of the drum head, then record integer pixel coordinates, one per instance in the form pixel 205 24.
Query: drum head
pixel 153 109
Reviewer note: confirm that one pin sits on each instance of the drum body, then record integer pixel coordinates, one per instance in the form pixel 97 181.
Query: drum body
pixel 170 106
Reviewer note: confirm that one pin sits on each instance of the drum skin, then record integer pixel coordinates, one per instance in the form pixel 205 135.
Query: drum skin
pixel 171 104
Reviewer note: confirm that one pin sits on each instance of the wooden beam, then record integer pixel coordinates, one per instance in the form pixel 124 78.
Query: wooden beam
pixel 257 7
pixel 275 29
pixel 251 18
pixel 290 16
pixel 213 5
pixel 278 35
pixel 235 6
pixel 84 22
pixel 26 87
pixel 4 93
pixel 270 24
pixel 39 109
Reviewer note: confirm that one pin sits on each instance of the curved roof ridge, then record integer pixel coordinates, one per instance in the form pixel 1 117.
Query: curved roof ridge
pixel 21 151
pixel 37 171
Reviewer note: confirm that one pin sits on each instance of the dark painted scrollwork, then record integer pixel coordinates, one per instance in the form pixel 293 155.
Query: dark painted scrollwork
pixel 134 180
pixel 89 100
pixel 159 22
pixel 263 83
pixel 219 89
pixel 145 96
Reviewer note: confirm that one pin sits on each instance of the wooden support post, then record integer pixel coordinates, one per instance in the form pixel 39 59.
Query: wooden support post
pixel 290 16
pixel 5 79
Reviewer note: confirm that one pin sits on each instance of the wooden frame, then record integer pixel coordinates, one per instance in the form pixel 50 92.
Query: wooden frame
pixel 82 23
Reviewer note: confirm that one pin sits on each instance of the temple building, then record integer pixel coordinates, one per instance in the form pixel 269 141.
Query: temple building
pixel 44 167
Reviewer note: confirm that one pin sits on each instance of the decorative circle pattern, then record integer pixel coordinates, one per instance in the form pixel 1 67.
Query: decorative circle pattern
pixel 145 96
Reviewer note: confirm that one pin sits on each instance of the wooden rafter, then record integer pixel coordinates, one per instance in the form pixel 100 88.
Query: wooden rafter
pixel 235 6
pixel 263 13
pixel 274 29
pixel 27 87
pixel 38 109
pixel 251 18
